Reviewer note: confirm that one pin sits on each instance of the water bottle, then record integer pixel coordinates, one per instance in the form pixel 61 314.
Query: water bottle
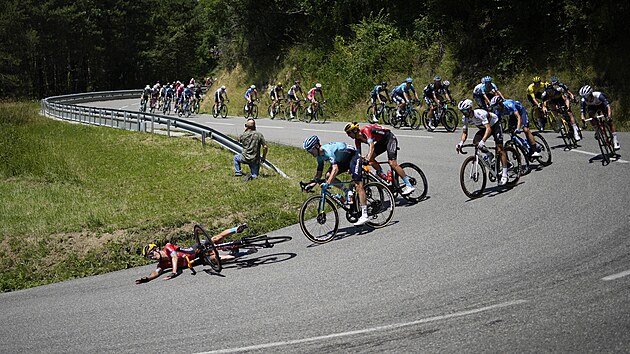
pixel 389 176
pixel 350 196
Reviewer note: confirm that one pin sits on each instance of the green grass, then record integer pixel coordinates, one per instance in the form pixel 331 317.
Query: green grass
pixel 80 200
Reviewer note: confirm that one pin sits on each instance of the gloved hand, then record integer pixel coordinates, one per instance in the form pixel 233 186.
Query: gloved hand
pixel 517 131
pixel 458 147
pixel 324 186
pixel 481 145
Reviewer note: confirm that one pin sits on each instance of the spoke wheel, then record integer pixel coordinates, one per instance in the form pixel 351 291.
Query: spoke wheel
pixel 263 241
pixel 416 178
pixel 450 120
pixel 472 177
pixel 319 226
pixel 514 165
pixel 545 152
pixel 380 204
pixel 210 254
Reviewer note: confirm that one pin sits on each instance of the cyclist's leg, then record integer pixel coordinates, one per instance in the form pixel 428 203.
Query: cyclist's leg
pixel 356 165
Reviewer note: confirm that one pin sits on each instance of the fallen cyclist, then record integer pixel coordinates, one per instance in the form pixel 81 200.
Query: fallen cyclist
pixel 175 258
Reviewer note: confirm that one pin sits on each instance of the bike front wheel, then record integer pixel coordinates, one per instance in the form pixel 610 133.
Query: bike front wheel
pixel 263 241
pixel 209 253
pixel 380 204
pixel 545 152
pixel 450 120
pixel 319 219
pixel 417 180
pixel 472 177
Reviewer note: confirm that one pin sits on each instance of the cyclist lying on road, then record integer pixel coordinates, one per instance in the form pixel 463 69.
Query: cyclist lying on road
pixel 174 257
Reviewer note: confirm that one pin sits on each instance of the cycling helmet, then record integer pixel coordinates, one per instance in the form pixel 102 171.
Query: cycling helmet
pixel 554 80
pixel 446 83
pixel 536 79
pixel 496 100
pixel 464 105
pixel 148 250
pixel 252 87
pixel 310 142
pixel 487 79
pixel 351 126
pixel 408 80
pixel 279 83
pixel 586 90
pixel 318 85
pixel 223 88
pixel 297 82
pixel 147 87
pixel 383 83
pixel 437 78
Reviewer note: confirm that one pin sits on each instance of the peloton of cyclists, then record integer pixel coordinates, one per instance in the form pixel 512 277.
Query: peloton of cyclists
pixel 489 125
pixel 400 95
pixel 379 139
pixel 342 158
pixel 220 95
pixel 558 95
pixel 376 98
pixel 591 103
pixel 293 95
pixel 434 93
pixel 312 97
pixel 515 110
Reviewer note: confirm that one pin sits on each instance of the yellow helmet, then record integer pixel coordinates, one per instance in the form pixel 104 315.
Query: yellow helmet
pixel 279 83
pixel 351 126
pixel 536 79
pixel 148 250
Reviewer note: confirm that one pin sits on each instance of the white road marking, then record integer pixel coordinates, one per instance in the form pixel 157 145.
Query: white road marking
pixel 219 123
pixel 369 330
pixel 414 136
pixel 616 276
pixel 342 132
pixel 269 126
pixel 594 154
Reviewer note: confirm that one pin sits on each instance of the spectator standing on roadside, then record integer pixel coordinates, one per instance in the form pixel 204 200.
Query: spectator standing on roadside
pixel 253 142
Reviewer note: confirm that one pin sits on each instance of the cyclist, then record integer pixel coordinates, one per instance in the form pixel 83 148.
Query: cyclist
pixel 489 125
pixel 377 98
pixel 534 95
pixel 250 95
pixel 293 97
pixel 187 97
pixel 478 96
pixel 168 96
pixel 220 95
pixel 312 97
pixel 276 94
pixel 515 110
pixel 146 94
pixel 155 94
pixel 379 140
pixel 593 101
pixel 489 90
pixel 400 95
pixel 175 258
pixel 342 158
pixel 557 95
pixel 434 93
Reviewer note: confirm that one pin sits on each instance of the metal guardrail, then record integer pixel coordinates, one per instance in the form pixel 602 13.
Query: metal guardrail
pixel 66 108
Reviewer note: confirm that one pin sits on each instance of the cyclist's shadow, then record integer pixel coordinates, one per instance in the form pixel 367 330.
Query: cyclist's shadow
pixel 250 262
pixel 350 231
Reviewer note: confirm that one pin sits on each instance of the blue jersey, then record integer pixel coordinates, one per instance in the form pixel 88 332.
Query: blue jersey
pixel 512 106
pixel 378 89
pixel 402 88
pixel 249 92
pixel 488 89
pixel 335 153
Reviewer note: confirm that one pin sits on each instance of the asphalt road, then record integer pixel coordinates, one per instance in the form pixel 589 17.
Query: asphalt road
pixel 543 267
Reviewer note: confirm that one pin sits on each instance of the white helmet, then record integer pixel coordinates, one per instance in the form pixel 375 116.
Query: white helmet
pixel 318 85
pixel 252 87
pixel 223 88
pixel 586 90
pixel 496 100
pixel 446 83
pixel 465 104
pixel 147 87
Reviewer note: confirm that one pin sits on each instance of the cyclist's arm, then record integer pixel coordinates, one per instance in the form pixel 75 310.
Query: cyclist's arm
pixel 370 155
pixel 497 92
pixel 519 120
pixel 334 170
pixel 487 133
pixel 154 274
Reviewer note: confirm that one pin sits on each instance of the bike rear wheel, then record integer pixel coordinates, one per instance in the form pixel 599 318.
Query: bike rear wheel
pixel 605 141
pixel 263 241
pixel 522 155
pixel 414 119
pixel 380 204
pixel 545 152
pixel 416 178
pixel 209 253
pixel 514 165
pixel 317 224
pixel 472 177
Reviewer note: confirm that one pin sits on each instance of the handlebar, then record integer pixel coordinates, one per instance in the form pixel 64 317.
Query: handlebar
pixel 308 186
pixel 460 150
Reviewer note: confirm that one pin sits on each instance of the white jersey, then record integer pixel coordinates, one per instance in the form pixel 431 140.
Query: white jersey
pixel 477 90
pixel 480 118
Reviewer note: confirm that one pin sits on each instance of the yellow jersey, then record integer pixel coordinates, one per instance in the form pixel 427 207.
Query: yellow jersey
pixel 536 92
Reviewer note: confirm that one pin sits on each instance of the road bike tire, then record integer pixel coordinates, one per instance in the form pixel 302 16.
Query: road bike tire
pixel 606 143
pixel 514 165
pixel 524 161
pixel 263 241
pixel 565 137
pixel 270 111
pixel 450 120
pixel 414 119
pixel 601 141
pixel 223 111
pixel 255 111
pixel 416 178
pixel 210 254
pixel 287 113
pixel 280 112
pixel 319 227
pixel 545 151
pixel 424 120
pixel 473 177
pixel 368 115
pixel 300 113
pixel 386 115
pixel 380 204
pixel 322 115
pixel 397 121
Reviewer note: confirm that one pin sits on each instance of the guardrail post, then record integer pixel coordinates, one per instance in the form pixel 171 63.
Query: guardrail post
pixel 100 117
pixel 112 116
pixel 125 120
pixel 152 123
pixel 168 127
pixel 203 138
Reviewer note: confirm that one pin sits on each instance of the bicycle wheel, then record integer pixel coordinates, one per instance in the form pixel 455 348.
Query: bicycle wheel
pixel 210 254
pixel 414 119
pixel 424 120
pixel 224 111
pixel 545 152
pixel 280 112
pixel 565 136
pixel 270 111
pixel 318 224
pixel 386 114
pixel 450 120
pixel 380 204
pixel 416 178
pixel 522 154
pixel 472 177
pixel 263 241
pixel 538 121
pixel 397 121
pixel 254 111
pixel 514 165
pixel 322 115
pixel 368 114
pixel 606 143
pixel 300 114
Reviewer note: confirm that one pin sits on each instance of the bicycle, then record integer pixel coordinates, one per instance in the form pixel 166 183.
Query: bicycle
pixel 166 107
pixel 442 114
pixel 473 176
pixel 143 105
pixel 208 252
pixel 604 137
pixel 251 110
pixel 540 119
pixel 382 114
pixel 319 214
pixel 185 108
pixel 526 150
pixel 395 183
pixel 196 106
pixel 409 117
pixel 566 128
pixel 316 114
pixel 275 110
pixel 152 105
pixel 220 110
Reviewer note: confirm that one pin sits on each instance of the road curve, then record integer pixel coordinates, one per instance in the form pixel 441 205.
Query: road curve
pixel 542 267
